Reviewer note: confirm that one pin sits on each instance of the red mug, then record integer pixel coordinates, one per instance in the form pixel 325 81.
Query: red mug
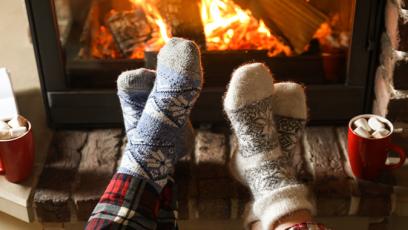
pixel 17 156
pixel 367 156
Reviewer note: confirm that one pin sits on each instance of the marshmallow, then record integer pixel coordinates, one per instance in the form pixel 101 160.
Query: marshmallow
pixel 16 132
pixel 17 121
pixel 4 126
pixel 375 124
pixel 362 122
pixel 380 133
pixel 4 135
pixel 362 132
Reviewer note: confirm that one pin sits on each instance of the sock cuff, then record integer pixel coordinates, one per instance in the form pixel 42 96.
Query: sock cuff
pixel 249 217
pixel 139 79
pixel 281 202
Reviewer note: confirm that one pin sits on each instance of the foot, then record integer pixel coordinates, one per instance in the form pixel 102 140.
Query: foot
pixel 134 87
pixel 290 115
pixel 260 162
pixel 166 113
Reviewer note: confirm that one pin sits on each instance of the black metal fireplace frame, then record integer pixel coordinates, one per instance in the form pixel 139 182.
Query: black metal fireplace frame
pixel 72 107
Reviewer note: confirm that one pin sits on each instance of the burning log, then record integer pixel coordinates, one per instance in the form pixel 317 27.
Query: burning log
pixel 183 19
pixel 297 20
pixel 129 29
pixel 96 40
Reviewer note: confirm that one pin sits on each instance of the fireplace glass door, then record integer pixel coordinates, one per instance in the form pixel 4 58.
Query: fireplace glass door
pixel 322 44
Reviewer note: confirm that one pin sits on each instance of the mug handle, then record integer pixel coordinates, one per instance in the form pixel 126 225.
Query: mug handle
pixel 2 171
pixel 402 156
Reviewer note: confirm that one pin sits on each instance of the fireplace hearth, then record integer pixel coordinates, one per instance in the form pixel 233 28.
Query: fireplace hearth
pixel 82 46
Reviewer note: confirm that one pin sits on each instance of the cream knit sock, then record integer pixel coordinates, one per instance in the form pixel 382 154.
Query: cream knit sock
pixel 260 162
pixel 290 114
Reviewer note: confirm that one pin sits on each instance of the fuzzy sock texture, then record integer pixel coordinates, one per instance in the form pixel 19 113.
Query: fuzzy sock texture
pixel 134 87
pixel 153 152
pixel 260 161
pixel 290 114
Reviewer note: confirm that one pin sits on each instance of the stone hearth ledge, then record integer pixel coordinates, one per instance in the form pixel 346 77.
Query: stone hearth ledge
pixel 206 190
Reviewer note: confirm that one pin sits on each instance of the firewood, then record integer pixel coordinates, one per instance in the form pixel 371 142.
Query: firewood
pixel 96 40
pixel 129 29
pixel 183 19
pixel 297 20
pixel 342 10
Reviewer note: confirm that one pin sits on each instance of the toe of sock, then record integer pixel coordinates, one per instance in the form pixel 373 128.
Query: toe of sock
pixel 180 58
pixel 136 79
pixel 249 83
pixel 289 100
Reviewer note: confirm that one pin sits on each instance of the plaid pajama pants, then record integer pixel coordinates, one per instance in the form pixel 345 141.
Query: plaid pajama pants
pixel 132 203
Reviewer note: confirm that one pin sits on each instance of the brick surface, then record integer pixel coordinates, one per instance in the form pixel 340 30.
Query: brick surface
pixel 401 74
pixel 382 90
pixel 374 206
pixel 404 4
pixel 215 188
pixel 375 198
pixel 401 138
pixel 329 206
pixel 201 192
pixel 380 225
pixel 398 109
pixel 186 187
pixel 214 209
pixel 323 153
pixel 403 31
pixel 210 155
pixel 52 195
pixel 342 134
pixel 98 163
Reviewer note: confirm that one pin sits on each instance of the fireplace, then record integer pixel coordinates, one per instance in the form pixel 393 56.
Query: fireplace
pixel 82 46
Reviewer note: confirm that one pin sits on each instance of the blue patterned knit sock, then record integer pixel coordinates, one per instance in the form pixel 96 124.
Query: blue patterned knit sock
pixel 154 145
pixel 134 87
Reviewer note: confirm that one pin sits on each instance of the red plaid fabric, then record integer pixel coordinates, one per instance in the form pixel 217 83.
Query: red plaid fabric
pixel 127 203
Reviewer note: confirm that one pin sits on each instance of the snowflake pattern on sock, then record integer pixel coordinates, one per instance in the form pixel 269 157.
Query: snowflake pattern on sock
pixel 289 130
pixel 270 175
pixel 178 106
pixel 165 119
pixel 255 129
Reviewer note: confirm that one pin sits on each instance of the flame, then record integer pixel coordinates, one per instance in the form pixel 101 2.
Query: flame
pixel 154 17
pixel 228 27
pixel 103 45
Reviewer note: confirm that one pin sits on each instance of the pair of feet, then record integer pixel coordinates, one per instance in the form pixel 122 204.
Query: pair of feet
pixel 156 106
pixel 267 118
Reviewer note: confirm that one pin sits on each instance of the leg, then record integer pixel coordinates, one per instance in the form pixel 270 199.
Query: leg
pixel 262 163
pixel 132 198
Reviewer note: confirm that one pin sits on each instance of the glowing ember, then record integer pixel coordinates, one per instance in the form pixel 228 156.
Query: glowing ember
pixel 102 45
pixel 228 27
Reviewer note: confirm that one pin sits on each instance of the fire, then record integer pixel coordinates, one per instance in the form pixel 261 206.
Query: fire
pixel 102 45
pixel 228 27
pixel 154 17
